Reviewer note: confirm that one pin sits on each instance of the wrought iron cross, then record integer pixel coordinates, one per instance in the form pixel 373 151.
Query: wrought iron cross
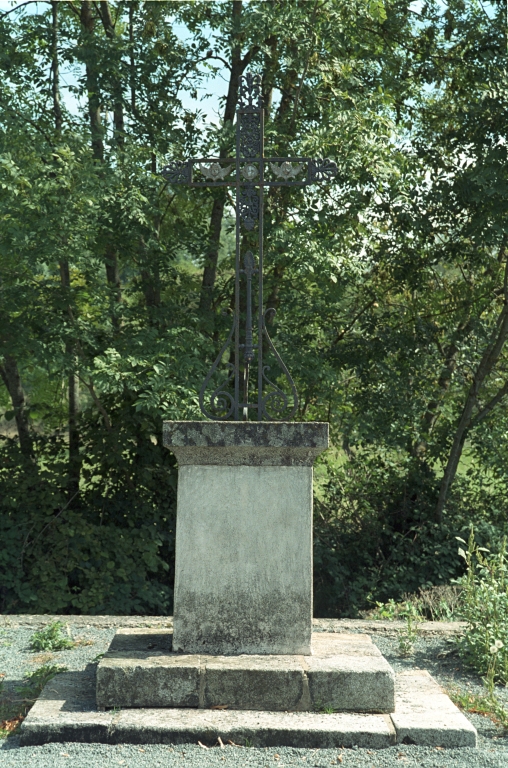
pixel 249 172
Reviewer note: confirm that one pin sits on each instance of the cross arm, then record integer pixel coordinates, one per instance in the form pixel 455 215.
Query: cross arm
pixel 212 172
pixel 286 170
pixel 277 171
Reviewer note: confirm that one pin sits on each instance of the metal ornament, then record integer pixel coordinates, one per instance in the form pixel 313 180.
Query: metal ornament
pixel 214 171
pixel 249 172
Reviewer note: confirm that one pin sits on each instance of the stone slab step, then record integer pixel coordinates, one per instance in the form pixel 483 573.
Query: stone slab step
pixel 345 673
pixel 66 711
pixel 424 714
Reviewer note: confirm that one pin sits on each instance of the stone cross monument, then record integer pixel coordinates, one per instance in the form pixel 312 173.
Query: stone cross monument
pixel 249 172
pixel 243 581
pixel 242 628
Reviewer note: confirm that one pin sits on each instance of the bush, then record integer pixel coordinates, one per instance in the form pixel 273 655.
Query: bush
pixel 484 645
pixel 109 550
pixel 375 537
pixel 440 603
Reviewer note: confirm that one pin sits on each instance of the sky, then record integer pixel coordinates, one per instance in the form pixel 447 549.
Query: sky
pixel 208 97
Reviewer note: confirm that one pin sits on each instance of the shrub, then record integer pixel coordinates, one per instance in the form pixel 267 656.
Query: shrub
pixel 110 549
pixel 375 536
pixel 484 645
pixel 439 603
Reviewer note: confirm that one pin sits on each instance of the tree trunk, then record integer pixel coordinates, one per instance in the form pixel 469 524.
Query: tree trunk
pixel 88 24
pixel 212 254
pixel 443 384
pixel 485 366
pixel 10 375
pixel 74 467
pixel 132 64
pixel 57 111
pixel 118 116
pixel 92 86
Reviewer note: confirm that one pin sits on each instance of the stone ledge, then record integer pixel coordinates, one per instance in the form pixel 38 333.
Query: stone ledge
pixel 424 716
pixel 345 672
pixel 352 626
pixel 236 443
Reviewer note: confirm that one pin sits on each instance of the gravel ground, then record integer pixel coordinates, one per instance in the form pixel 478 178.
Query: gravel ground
pixel 434 653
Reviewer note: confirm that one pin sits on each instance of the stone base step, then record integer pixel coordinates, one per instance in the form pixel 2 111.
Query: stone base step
pixel 346 673
pixel 424 715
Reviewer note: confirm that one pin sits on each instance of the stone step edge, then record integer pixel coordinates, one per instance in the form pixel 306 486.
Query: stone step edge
pixel 351 676
pixel 369 626
pixel 424 716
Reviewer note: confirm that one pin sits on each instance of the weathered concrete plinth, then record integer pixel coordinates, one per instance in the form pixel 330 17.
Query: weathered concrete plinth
pixel 66 711
pixel 243 569
pixel 345 673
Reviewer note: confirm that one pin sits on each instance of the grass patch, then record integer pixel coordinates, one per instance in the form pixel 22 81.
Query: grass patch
pixel 440 603
pixel 486 704
pixel 14 708
pixel 51 638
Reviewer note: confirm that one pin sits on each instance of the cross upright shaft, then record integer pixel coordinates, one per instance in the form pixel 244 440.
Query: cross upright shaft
pixel 252 173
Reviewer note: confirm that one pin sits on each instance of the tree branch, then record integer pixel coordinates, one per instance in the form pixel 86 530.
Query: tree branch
pixel 17 7
pixel 490 405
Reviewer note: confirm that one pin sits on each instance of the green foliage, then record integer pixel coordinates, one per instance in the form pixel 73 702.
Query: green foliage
pixel 486 704
pixel 13 710
pixel 408 636
pixel 484 645
pixel 438 603
pixel 50 638
pixel 374 535
pixel 34 682
pixel 112 552
pixel 389 285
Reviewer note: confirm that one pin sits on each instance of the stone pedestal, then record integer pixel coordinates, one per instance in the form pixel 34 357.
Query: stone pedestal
pixel 345 673
pixel 243 572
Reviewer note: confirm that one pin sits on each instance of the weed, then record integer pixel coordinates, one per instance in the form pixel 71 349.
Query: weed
pixel 408 636
pixel 248 743
pixel 14 710
pixel 51 639
pixel 482 704
pixel 439 603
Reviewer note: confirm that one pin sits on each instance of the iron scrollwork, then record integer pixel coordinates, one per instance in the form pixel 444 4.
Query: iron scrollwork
pixel 249 93
pixel 177 172
pixel 248 206
pixel 222 402
pixel 250 135
pixel 231 398
pixel 321 170
pixel 276 398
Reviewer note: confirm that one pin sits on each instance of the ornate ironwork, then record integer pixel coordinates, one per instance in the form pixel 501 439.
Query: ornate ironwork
pixel 249 93
pixel 286 170
pixel 321 170
pixel 231 399
pixel 177 172
pixel 248 206
pixel 214 171
pixel 250 135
